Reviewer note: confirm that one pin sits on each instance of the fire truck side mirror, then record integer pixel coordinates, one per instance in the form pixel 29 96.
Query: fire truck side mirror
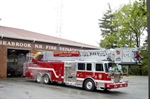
pixel 111 70
pixel 119 67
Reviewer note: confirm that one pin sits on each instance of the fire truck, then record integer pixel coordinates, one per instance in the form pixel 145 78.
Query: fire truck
pixel 89 69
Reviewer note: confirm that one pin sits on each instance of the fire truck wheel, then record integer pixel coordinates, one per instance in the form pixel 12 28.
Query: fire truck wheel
pixel 46 79
pixel 38 77
pixel 106 90
pixel 89 85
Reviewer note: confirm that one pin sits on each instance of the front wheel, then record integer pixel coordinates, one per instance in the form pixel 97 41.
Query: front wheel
pixel 105 90
pixel 89 85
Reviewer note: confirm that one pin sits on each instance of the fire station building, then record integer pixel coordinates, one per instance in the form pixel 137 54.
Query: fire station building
pixel 15 44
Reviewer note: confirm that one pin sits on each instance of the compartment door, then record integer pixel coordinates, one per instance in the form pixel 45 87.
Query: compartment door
pixel 70 73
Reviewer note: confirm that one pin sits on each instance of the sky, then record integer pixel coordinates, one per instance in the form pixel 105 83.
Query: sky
pixel 75 20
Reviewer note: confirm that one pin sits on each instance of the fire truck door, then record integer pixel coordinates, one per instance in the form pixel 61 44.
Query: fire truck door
pixel 70 73
pixel 89 70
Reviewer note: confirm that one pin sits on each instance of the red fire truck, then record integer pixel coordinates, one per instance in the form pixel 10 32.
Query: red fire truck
pixel 89 69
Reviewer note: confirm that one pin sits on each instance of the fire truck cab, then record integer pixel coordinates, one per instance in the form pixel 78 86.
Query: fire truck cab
pixel 89 69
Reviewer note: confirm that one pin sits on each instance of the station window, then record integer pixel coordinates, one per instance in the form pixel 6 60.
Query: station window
pixel 89 67
pixel 99 67
pixel 81 66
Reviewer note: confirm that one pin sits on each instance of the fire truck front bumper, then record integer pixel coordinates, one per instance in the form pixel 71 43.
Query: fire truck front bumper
pixel 116 85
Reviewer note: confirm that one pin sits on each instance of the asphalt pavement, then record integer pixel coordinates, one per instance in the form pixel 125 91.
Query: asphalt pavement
pixel 21 88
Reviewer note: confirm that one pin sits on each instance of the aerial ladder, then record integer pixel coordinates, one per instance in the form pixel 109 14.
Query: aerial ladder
pixel 125 56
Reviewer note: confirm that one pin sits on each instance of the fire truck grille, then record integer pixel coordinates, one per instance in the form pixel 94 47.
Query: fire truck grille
pixel 116 78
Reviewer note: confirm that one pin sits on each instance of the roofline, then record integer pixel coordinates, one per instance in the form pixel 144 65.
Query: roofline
pixel 44 41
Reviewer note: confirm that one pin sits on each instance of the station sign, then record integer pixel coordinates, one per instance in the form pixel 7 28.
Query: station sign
pixel 35 45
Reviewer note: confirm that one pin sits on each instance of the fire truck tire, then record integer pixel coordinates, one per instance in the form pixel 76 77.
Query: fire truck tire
pixel 38 78
pixel 89 85
pixel 46 79
pixel 105 90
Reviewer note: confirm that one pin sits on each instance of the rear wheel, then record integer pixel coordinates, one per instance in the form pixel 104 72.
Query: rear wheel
pixel 46 79
pixel 38 78
pixel 89 85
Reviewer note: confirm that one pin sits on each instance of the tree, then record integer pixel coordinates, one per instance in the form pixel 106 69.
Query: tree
pixel 132 23
pixel 107 29
pixel 131 19
pixel 124 26
pixel 129 25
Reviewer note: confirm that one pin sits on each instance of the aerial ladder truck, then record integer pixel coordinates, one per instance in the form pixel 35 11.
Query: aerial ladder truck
pixel 89 69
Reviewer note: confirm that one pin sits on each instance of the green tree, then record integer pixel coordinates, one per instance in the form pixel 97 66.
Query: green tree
pixel 129 25
pixel 131 19
pixel 124 26
pixel 107 30
pixel 132 23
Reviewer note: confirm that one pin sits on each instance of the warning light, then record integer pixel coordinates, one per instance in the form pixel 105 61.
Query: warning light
pixel 118 52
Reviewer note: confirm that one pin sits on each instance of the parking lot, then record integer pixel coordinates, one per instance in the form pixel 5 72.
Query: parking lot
pixel 21 88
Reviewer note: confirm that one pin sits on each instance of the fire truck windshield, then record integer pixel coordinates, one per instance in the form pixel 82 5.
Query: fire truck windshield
pixel 112 65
